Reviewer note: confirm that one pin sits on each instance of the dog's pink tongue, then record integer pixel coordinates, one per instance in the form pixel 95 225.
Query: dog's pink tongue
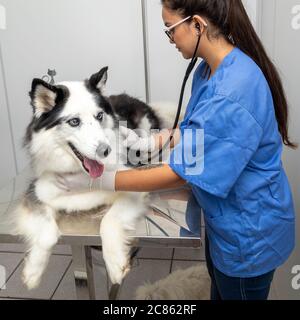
pixel 95 169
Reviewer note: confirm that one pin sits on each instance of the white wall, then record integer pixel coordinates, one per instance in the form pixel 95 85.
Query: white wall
pixel 253 9
pixel 283 45
pixel 2 18
pixel 7 161
pixel 166 65
pixel 76 38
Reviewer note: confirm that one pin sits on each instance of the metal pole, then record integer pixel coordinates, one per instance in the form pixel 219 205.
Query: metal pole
pixel 8 111
pixel 146 51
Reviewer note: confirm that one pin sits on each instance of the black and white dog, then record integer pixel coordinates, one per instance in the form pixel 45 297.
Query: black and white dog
pixel 71 131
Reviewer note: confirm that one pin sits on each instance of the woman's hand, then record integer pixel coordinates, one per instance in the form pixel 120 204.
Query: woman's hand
pixel 134 142
pixel 151 142
pixel 76 182
pixel 136 180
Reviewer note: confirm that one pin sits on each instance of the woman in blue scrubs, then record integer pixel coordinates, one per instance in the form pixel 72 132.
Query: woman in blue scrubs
pixel 238 102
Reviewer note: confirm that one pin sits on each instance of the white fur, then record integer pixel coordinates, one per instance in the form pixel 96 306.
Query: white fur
pixel 167 112
pixel 50 155
pixel 44 100
pixel 41 233
pixel 145 124
pixel 189 284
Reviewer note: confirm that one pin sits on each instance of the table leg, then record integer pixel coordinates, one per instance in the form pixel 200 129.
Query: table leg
pixel 90 272
pixel 84 274
pixel 110 291
pixel 80 272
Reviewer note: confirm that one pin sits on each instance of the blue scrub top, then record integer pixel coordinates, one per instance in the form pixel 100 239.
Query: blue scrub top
pixel 239 180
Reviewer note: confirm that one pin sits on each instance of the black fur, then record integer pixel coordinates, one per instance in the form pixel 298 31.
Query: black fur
pixel 97 77
pixel 92 86
pixel 121 107
pixel 101 101
pixel 49 119
pixel 133 111
pixel 58 90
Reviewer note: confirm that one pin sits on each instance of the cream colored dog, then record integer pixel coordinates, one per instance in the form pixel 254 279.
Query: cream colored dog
pixel 190 284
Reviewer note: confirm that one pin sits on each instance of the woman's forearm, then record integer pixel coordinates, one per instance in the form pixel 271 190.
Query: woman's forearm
pixel 148 179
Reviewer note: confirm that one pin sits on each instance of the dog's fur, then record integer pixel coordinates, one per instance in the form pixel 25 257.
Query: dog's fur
pixel 57 144
pixel 189 284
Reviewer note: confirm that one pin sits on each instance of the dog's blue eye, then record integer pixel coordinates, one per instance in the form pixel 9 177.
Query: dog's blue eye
pixel 100 116
pixel 74 122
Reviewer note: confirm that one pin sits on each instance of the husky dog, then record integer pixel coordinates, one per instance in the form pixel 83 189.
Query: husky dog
pixel 68 133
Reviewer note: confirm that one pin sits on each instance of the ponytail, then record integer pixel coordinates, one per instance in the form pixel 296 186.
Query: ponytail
pixel 232 21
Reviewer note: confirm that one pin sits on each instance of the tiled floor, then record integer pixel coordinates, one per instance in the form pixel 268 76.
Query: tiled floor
pixel 58 281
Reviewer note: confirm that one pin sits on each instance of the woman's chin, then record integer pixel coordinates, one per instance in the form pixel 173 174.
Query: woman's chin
pixel 186 55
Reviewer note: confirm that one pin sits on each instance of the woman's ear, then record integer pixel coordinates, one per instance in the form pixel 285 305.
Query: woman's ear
pixel 199 23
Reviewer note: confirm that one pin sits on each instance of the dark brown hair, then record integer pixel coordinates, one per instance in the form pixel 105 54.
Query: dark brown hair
pixel 230 19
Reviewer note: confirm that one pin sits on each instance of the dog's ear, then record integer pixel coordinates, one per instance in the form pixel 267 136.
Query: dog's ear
pixel 98 80
pixel 44 96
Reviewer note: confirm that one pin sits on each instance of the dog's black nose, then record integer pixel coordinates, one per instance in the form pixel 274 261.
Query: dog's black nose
pixel 103 150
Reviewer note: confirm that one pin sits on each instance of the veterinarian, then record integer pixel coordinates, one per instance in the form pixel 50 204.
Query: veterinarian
pixel 239 102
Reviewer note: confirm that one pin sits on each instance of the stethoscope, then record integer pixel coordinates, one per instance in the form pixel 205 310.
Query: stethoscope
pixel 186 77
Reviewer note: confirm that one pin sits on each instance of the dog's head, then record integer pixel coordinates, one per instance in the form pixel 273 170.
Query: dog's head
pixel 71 125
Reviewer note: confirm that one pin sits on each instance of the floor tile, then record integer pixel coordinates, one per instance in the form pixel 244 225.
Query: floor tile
pixel 8 263
pixel 66 289
pixel 142 272
pixel 273 294
pixel 12 247
pixel 62 249
pixel 153 269
pixel 52 276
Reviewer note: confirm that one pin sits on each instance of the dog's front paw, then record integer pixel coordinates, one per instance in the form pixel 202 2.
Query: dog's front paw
pixel 117 265
pixel 31 277
pixel 116 248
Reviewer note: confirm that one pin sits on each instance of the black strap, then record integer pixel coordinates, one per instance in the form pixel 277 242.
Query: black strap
pixel 186 77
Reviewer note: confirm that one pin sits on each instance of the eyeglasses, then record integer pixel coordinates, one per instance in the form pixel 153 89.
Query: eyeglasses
pixel 170 31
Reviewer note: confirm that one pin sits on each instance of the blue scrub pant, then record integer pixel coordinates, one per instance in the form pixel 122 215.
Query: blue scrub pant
pixel 224 287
